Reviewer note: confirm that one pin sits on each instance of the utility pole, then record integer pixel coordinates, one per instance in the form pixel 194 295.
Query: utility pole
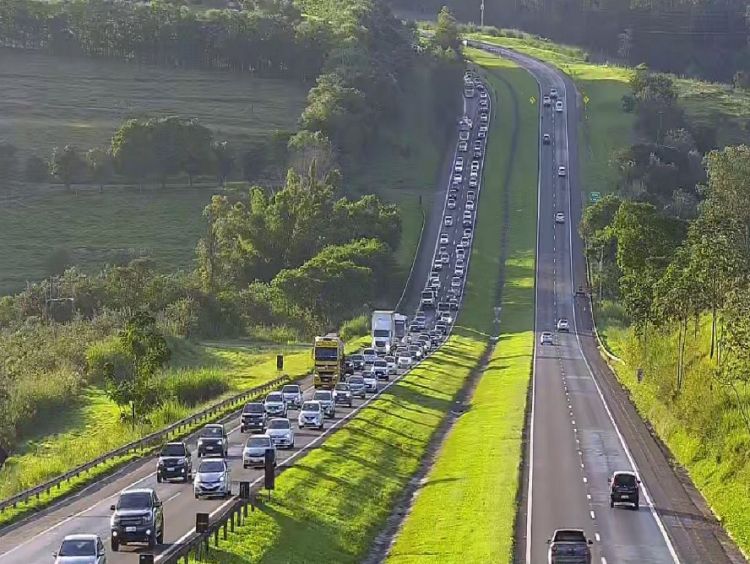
pixel 481 14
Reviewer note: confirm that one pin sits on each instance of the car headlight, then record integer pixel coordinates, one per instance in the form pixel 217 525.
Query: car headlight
pixel 221 478
pixel 160 463
pixel 200 441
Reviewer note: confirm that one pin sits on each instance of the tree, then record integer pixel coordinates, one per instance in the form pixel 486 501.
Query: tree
pixel 133 151
pixel 148 351
pixel 729 186
pixel 223 154
pixel 67 165
pixel 307 148
pixel 100 166
pixel 446 31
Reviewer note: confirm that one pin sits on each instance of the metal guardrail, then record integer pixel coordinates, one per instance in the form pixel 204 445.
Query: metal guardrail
pixel 150 440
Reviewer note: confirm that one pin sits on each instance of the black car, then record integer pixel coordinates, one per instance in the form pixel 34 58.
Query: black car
pixel 348 367
pixel 175 462
pixel 623 488
pixel 358 361
pixel 253 418
pixel 342 395
pixel 138 517
pixel 213 441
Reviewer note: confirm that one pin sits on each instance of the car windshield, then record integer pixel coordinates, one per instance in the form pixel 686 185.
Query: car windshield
pixel 380 363
pixel 77 547
pixel 342 387
pixel 275 397
pixel 211 466
pixel 309 406
pixel 625 480
pixel 426 294
pixel 356 357
pixel 279 424
pixel 134 500
pixel 322 396
pixel 381 333
pixel 290 390
pixel 173 450
pixel 258 442
pixel 211 431
pixel 253 408
pixel 369 352
pixel 570 536
pixel 356 380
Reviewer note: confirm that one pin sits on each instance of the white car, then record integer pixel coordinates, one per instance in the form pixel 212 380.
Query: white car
pixel 370 356
pixel 463 146
pixel 467 233
pixel 212 477
pixel 459 166
pixel 434 282
pixel 463 135
pixel 561 171
pixel 546 101
pixel 448 220
pixel 391 361
pixel 465 241
pixel 546 338
pixel 311 415
pixel 468 215
pixel 451 203
pixel 445 258
pixel 275 404
pixel 473 183
pixel 458 178
pixel 471 195
pixel 81 549
pixel 460 263
pixel 559 217
pixel 254 453
pixel 483 129
pixel 281 432
pixel 484 118
pixel 404 361
pixel 446 318
pixel 558 106
pixel 455 282
pixel 470 205
pixel 460 253
pixel 443 238
pixel 563 325
pixel 371 382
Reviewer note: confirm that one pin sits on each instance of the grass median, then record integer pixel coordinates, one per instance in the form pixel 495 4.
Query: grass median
pixel 477 471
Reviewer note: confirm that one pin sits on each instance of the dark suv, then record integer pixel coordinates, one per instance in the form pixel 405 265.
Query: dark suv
pixel 253 418
pixel 213 441
pixel 569 546
pixel 138 517
pixel 175 461
pixel 623 488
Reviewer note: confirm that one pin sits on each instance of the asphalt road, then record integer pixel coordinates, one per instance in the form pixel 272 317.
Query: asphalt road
pixel 582 426
pixel 35 539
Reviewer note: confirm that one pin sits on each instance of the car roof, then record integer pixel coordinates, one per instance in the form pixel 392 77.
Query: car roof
pixel 82 536
pixel 623 472
pixel 219 424
pixel 137 490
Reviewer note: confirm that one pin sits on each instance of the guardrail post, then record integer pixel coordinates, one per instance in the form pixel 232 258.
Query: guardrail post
pixel 225 530
pixel 216 537
pixel 205 543
pixel 232 520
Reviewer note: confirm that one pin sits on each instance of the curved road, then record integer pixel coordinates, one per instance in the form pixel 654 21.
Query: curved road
pixel 582 426
pixel 34 539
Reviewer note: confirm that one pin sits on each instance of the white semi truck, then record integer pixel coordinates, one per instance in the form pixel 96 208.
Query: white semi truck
pixel 383 331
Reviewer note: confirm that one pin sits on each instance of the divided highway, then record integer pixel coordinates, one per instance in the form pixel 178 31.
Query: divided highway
pixel 582 427
pixel 35 539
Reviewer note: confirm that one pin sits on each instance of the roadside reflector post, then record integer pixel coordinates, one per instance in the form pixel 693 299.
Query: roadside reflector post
pixel 201 522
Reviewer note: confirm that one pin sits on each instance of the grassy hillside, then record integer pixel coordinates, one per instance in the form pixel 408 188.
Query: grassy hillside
pixel 457 487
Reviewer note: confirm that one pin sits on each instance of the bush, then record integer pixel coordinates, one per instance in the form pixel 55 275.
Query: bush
pixel 192 387
pixel 106 355
pixel 357 327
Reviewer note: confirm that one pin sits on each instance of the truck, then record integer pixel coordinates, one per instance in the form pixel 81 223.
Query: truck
pixel 401 325
pixel 383 330
pixel 328 359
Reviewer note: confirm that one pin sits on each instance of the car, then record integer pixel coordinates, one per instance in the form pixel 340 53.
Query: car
pixel 477 144
pixel 281 432
pixel 546 139
pixel 546 338
pixel 380 370
pixel 467 233
pixel 482 134
pixel 569 545
pixel 546 101
pixel 416 352
pixel 371 382
pixel 463 146
pixel 357 386
pixel 561 170
pixel 358 361
pixel 448 220
pixel 212 479
pixel 456 282
pixel 254 452
pixel 437 337
pixel 558 106
pixel 559 217
pixel 426 341
pixel 342 395
pixel 253 417
pixel 483 129
pixel 482 93
pixel 275 404
pixel 434 282
pixel 213 440
pixel 459 271
pixel 460 253
pixel 442 307
pixel 403 360
pixel 460 263
pixel 459 166
pixel 391 360
pixel 563 325
pixel 348 368
pixel 453 302
pixel 292 394
pixel 414 328
pixel 138 517
pixel 420 320
pixel 325 399
pixel 471 195
pixel 553 93
pixel 175 461
pixel 477 153
pixel 483 103
pixel 468 214
pixel 484 118
pixel 474 182
pixel 81 549
pixel 451 203
pixel 443 238
pixel 311 415
pixel 458 178
pixel 623 488
pixel 469 92
pixel 445 258
pixel 465 241
pixel 446 318
pixel 442 327
pixel 437 266
pixel 463 135
pixel 370 356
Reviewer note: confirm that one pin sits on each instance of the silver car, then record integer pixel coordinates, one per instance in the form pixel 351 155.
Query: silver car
pixel 281 432
pixel 325 398
pixel 275 404
pixel 357 386
pixel 292 394
pixel 81 549
pixel 254 453
pixel 311 415
pixel 212 478
pixel 371 382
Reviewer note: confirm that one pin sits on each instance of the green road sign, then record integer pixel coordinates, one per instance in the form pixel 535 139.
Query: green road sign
pixel 595 197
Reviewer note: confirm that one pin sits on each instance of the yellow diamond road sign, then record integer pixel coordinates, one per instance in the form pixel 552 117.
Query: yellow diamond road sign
pixel 532 100
pixel 586 99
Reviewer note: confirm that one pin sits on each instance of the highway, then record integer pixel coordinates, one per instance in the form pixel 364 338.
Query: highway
pixel 582 426
pixel 34 539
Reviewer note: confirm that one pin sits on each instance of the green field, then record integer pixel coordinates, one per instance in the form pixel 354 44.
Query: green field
pixel 442 525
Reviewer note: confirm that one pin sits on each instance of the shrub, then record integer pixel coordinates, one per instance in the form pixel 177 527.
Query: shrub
pixel 106 355
pixel 192 387
pixel 357 327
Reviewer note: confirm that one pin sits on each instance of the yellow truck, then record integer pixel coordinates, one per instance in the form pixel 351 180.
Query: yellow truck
pixel 328 357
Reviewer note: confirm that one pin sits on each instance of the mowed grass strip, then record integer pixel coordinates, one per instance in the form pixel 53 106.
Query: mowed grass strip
pixel 329 506
pixel 465 511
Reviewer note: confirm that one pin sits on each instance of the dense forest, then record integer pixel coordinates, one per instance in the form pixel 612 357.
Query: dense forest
pixel 703 38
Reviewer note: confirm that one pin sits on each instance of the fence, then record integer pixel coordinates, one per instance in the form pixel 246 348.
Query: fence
pixel 141 444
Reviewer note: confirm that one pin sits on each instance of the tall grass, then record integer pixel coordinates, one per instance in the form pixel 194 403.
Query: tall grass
pixel 192 387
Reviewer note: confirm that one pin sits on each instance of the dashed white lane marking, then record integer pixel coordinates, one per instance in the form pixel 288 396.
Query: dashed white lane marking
pixel 604 560
pixel 592 514
pixel 573 421
pixel 598 539
pixel 585 480
pixel 588 496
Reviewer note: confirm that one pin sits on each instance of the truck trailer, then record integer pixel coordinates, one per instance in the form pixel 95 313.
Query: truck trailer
pixel 383 331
